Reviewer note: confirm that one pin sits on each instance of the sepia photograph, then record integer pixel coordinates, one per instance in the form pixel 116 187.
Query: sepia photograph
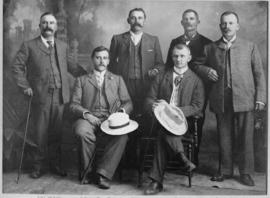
pixel 125 98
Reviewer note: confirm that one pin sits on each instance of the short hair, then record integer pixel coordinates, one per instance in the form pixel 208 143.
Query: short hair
pixel 99 49
pixel 180 47
pixel 45 14
pixel 229 13
pixel 190 10
pixel 137 9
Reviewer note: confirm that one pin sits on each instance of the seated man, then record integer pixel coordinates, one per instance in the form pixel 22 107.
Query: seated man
pixel 181 87
pixel 96 96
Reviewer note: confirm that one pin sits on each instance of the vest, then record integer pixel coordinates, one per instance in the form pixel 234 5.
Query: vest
pixel 54 79
pixel 101 106
pixel 135 61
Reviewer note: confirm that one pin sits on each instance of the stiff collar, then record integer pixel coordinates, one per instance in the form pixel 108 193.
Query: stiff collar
pixel 44 41
pixel 100 74
pixel 180 71
pixel 135 37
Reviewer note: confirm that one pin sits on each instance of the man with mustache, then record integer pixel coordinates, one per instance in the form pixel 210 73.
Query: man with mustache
pixel 40 69
pixel 93 100
pixel 233 66
pixel 196 43
pixel 136 56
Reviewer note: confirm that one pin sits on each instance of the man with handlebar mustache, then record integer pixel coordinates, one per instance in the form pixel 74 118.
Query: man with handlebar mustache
pixel 40 70
pixel 136 56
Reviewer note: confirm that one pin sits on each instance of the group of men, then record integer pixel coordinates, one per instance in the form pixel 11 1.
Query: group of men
pixel 227 72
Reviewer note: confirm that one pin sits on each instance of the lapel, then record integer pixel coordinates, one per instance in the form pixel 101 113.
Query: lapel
pixel 169 80
pixel 59 53
pixel 221 44
pixel 126 39
pixel 92 79
pixel 42 46
pixel 109 89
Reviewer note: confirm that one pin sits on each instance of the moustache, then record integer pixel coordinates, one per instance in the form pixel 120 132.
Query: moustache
pixel 48 29
pixel 137 24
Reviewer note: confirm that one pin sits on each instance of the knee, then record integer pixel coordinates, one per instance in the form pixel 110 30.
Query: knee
pixel 84 132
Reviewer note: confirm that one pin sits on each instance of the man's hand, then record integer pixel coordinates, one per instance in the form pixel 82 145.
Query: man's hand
pixel 212 75
pixel 259 106
pixel 28 92
pixel 157 103
pixel 152 72
pixel 92 119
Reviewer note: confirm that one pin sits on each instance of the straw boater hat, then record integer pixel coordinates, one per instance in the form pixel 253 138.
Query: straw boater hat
pixel 171 118
pixel 118 124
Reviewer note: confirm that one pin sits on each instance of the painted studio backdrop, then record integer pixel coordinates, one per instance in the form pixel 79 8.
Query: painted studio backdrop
pixel 85 24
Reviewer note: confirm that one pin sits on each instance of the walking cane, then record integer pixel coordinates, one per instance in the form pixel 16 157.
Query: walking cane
pixel 24 138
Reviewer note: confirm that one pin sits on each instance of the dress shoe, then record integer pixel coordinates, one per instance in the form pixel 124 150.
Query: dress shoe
pixel 220 177
pixel 35 174
pixel 58 171
pixel 103 182
pixel 246 180
pixel 188 165
pixel 153 188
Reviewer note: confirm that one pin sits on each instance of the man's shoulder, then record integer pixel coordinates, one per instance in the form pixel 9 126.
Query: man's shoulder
pixel 121 35
pixel 204 39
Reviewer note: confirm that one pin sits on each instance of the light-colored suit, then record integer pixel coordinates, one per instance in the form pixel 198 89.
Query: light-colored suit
pixel 234 106
pixel 83 99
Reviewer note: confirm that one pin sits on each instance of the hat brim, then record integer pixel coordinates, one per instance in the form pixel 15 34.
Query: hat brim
pixel 180 129
pixel 133 125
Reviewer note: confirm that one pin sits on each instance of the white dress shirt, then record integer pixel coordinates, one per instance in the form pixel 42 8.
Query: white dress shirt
pixel 174 96
pixel 100 77
pixel 136 38
pixel 44 41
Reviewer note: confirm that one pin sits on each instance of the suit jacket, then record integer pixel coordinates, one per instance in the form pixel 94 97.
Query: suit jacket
pixel 191 92
pixel 247 75
pixel 86 90
pixel 31 68
pixel 120 52
pixel 196 47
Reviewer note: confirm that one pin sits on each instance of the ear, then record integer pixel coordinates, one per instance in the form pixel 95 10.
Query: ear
pixel 189 58
pixel 198 21
pixel 128 20
pixel 182 23
pixel 238 26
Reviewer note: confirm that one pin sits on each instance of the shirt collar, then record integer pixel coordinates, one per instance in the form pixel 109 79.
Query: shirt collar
pixel 230 41
pixel 100 74
pixel 188 39
pixel 180 71
pixel 45 41
pixel 136 35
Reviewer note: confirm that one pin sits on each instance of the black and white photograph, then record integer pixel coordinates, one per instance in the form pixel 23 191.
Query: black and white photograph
pixel 125 98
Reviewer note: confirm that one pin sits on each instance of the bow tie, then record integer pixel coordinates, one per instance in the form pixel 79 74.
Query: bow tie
pixel 177 80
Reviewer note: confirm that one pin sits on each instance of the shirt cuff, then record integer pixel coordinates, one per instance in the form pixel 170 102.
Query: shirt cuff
pixel 84 113
pixel 259 102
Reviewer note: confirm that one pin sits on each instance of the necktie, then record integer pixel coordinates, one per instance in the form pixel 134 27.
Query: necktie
pixel 177 80
pixel 50 43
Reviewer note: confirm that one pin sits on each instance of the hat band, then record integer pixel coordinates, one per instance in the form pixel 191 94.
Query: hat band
pixel 120 126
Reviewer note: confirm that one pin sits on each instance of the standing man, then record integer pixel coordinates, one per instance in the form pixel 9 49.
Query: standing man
pixel 196 43
pixel 136 56
pixel 96 96
pixel 179 87
pixel 40 70
pixel 234 67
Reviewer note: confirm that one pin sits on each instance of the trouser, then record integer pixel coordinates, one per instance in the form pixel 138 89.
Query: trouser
pixel 91 136
pixel 137 92
pixel 47 123
pixel 235 136
pixel 167 146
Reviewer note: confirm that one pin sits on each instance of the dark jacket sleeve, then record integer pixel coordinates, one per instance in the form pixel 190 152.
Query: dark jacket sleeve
pixel 113 55
pixel 152 94
pixel 125 99
pixel 159 64
pixel 197 101
pixel 200 64
pixel 19 67
pixel 75 104
pixel 169 61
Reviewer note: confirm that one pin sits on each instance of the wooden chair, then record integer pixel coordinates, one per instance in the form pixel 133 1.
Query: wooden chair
pixel 146 147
